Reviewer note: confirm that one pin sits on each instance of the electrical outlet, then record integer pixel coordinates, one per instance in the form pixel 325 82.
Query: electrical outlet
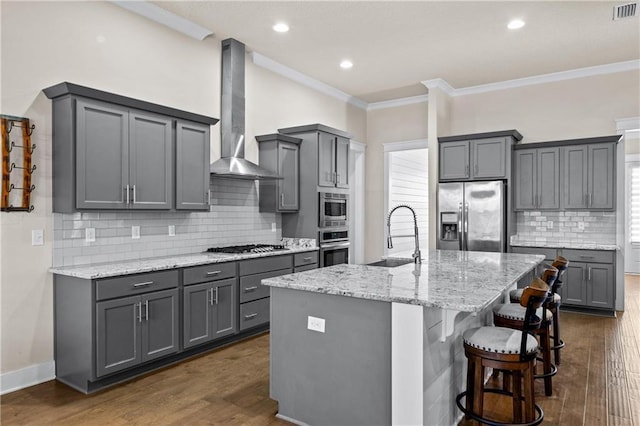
pixel 550 224
pixel 315 324
pixel 581 226
pixel 90 235
pixel 273 227
pixel 135 232
pixel 37 237
pixel 172 230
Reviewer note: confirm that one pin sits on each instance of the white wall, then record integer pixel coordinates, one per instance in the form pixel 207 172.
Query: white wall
pixel 45 43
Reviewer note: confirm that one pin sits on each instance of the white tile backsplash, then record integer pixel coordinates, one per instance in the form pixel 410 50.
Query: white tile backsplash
pixel 567 226
pixel 234 218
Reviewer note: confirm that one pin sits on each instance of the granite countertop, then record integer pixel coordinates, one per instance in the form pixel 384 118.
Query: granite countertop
pixel 447 279
pixel 565 244
pixel 103 270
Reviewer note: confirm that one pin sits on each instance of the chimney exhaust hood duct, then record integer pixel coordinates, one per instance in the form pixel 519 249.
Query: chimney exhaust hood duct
pixel 232 163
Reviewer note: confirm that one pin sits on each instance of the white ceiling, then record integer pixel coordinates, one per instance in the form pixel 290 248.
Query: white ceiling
pixel 395 45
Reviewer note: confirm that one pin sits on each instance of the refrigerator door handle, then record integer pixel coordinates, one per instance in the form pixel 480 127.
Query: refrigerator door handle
pixel 460 227
pixel 466 226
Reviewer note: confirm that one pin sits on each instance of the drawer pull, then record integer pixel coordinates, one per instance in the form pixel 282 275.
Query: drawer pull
pixel 249 316
pixel 307 259
pixel 249 289
pixel 146 283
pixel 213 273
pixel 586 257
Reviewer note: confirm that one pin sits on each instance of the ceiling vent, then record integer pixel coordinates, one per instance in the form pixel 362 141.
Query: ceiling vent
pixel 623 11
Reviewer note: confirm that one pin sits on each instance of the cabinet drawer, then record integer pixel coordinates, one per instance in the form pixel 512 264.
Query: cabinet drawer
pixel 305 268
pixel 254 313
pixel 548 253
pixel 307 258
pixel 135 284
pixel 596 256
pixel 210 272
pixel 251 289
pixel 265 264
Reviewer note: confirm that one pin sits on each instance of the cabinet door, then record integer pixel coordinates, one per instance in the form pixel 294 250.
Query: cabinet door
pixel 454 160
pixel 102 157
pixel 548 178
pixel 288 167
pixel 601 176
pixel 601 285
pixel 574 289
pixel 489 158
pixel 192 166
pixel 575 177
pixel 326 159
pixel 159 330
pixel 225 314
pixel 525 190
pixel 118 334
pixel 342 162
pixel 150 161
pixel 197 314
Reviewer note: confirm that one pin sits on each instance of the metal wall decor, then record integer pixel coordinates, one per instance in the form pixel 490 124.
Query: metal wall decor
pixel 17 167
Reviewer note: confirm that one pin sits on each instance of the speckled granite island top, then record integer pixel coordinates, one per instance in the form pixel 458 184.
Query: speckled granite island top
pixel 447 279
pixel 103 270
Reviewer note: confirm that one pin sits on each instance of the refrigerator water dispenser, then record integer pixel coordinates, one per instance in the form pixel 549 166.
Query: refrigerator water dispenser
pixel 449 226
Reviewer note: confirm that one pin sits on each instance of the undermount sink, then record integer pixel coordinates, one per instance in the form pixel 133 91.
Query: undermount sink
pixel 391 262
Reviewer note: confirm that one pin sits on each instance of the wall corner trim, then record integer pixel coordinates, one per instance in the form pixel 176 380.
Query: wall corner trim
pixel 28 376
pixel 276 67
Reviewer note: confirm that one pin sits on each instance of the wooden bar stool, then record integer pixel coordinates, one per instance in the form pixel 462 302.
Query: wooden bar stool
pixel 508 350
pixel 511 315
pixel 553 305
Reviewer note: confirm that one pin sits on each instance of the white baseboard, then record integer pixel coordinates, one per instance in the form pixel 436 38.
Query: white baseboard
pixel 28 376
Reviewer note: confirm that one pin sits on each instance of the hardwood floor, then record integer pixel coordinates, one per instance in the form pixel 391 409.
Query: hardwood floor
pixel 598 383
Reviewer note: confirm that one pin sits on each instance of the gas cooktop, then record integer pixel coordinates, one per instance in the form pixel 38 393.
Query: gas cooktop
pixel 249 248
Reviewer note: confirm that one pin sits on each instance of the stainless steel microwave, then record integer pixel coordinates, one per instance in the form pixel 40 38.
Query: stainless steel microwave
pixel 333 209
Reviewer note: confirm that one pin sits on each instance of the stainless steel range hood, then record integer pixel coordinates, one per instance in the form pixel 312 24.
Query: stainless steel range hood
pixel 232 163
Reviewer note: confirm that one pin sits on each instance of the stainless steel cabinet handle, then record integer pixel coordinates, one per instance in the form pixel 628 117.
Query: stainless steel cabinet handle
pixel 146 283
pixel 146 310
pixel 282 199
pixel 127 191
pixel 337 177
pixel 139 304
pixel 590 199
pixel 208 196
pixel 134 194
pixel 589 270
pixel 466 170
pixel 307 259
pixel 585 257
pixel 249 289
pixel 216 296
pixel 210 296
pixel 213 273
pixel 249 316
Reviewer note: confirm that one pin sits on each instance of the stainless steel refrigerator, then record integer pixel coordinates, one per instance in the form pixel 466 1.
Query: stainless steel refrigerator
pixel 472 216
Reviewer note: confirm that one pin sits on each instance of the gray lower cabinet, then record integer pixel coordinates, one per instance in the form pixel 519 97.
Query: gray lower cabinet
pixel 136 329
pixel 193 145
pixel 537 179
pixel 123 158
pixel 589 176
pixel 280 154
pixel 209 311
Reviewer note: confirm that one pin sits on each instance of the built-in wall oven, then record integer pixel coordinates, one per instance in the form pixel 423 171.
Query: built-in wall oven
pixel 333 209
pixel 334 247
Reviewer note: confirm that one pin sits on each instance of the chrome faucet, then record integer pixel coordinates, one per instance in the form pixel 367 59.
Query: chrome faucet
pixel 416 253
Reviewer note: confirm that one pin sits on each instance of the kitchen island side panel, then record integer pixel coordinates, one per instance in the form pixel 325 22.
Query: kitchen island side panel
pixel 73 331
pixel 341 376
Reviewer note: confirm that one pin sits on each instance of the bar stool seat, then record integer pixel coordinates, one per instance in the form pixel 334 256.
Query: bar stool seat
pixel 500 340
pixel 513 311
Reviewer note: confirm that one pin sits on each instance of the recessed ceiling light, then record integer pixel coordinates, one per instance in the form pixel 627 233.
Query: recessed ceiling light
pixel 281 27
pixel 515 24
pixel 346 64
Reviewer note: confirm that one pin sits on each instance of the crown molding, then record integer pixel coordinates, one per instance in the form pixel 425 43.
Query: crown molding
pixel 441 84
pixel 164 17
pixel 394 103
pixel 405 145
pixel 297 76
pixel 629 123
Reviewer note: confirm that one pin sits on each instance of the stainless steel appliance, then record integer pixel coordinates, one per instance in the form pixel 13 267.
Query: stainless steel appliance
pixel 472 216
pixel 332 209
pixel 334 247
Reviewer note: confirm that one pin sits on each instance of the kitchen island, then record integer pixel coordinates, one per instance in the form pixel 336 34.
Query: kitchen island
pixel 357 344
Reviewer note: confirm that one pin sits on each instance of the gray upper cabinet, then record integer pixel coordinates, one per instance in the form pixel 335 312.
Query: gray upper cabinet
pixel 537 179
pixel 342 162
pixel 333 160
pixel 281 154
pixel 589 176
pixel 114 152
pixel 192 173
pixel 481 156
